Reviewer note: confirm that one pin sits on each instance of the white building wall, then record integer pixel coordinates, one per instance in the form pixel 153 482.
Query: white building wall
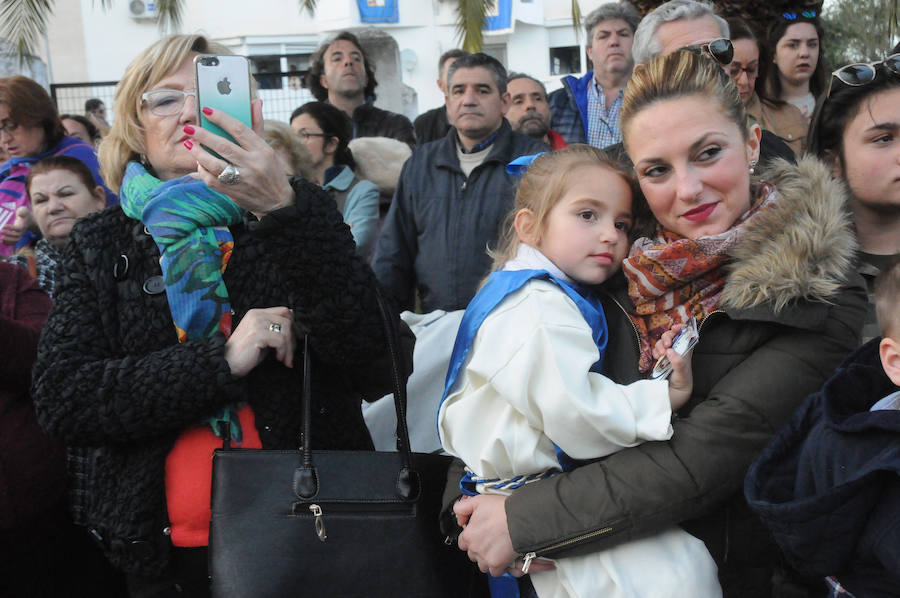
pixel 109 40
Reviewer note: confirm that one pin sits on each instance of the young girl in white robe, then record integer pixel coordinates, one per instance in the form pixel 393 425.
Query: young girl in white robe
pixel 524 397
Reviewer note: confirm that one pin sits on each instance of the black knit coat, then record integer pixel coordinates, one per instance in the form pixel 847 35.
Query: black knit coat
pixel 113 382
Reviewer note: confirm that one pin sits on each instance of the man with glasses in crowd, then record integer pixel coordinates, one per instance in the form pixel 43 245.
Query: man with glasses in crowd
pixel 586 109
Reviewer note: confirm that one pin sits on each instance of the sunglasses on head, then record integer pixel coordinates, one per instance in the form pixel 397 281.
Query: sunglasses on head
pixel 804 14
pixel 862 73
pixel 721 50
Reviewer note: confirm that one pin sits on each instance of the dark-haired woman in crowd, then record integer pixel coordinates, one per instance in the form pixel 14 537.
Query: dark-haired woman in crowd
pixel 30 129
pixel 748 70
pixel 856 132
pixel 798 73
pixel 327 132
pixel 80 127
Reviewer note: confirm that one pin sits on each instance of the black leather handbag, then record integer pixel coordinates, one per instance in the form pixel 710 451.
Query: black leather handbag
pixel 334 523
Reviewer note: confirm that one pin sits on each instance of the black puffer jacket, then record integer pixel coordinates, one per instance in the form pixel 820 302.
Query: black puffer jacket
pixel 112 380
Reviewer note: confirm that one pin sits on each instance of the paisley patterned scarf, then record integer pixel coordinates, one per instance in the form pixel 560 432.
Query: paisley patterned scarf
pixel 189 223
pixel 672 278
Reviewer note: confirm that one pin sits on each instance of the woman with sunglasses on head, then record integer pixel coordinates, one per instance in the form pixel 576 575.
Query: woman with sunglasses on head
pixel 30 129
pixel 176 327
pixel 798 73
pixel 856 132
pixel 762 262
pixel 748 70
pixel 326 131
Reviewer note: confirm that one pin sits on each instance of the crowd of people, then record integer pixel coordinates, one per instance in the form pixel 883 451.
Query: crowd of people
pixel 705 180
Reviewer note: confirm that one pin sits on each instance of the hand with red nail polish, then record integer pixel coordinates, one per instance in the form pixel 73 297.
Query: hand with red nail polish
pixel 188 144
pixel 188 129
pixel 207 111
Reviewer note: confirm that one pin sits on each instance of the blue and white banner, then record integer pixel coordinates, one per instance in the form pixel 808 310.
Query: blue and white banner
pixel 500 17
pixel 378 11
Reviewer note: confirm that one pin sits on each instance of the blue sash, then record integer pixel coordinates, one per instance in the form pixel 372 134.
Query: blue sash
pixel 500 285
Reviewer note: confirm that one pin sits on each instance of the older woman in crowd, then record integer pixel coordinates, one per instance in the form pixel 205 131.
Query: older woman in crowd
pixel 60 190
pixel 326 131
pixel 30 130
pixel 176 326
pixel 762 262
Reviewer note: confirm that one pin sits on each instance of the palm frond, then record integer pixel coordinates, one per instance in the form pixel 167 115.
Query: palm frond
pixel 576 21
pixel 309 6
pixel 471 18
pixel 23 22
pixel 168 15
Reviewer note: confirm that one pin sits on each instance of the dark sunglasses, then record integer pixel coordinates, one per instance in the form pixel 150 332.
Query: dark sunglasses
pixel 862 73
pixel 721 50
pixel 793 16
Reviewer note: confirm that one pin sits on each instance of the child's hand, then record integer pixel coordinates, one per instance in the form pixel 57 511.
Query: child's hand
pixel 681 380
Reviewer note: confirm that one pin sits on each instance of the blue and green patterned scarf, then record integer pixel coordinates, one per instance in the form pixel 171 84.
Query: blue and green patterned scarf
pixel 189 223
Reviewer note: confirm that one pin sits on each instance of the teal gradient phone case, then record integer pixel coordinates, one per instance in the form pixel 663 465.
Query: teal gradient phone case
pixel 223 83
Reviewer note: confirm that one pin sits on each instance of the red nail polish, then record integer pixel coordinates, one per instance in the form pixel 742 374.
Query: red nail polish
pixel 188 144
pixel 207 111
pixel 188 129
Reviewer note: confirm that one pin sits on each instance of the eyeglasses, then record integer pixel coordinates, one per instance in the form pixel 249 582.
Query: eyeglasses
pixel 721 50
pixel 735 69
pixel 793 16
pixel 305 135
pixel 861 73
pixel 166 102
pixel 8 126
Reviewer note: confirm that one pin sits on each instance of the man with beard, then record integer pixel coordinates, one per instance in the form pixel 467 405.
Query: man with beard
pixel 341 74
pixel 529 112
pixel 586 109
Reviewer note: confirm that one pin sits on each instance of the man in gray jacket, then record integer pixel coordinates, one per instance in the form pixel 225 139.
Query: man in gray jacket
pixel 453 195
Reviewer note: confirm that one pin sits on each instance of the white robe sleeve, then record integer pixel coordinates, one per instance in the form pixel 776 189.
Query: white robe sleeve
pixel 527 385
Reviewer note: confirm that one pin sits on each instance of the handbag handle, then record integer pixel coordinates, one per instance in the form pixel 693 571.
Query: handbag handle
pixel 306 483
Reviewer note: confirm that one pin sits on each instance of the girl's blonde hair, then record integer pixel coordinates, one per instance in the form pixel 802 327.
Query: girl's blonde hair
pixel 544 184
pixel 126 138
pixel 679 75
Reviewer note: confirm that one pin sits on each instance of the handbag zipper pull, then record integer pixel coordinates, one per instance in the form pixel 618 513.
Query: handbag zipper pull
pixel 320 521
pixel 527 564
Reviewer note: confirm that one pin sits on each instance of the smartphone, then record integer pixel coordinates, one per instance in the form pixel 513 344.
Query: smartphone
pixel 681 344
pixel 223 83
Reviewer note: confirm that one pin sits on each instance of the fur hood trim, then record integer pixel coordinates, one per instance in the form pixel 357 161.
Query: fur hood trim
pixel 801 247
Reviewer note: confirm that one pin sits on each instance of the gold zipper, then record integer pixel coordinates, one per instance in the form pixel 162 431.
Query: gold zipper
pixel 706 319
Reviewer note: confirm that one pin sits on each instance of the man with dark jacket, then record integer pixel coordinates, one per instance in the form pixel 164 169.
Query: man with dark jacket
pixel 433 125
pixel 586 109
pixel 529 112
pixel 341 74
pixel 453 195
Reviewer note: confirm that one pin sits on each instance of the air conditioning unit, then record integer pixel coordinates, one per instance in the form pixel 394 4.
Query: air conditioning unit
pixel 143 9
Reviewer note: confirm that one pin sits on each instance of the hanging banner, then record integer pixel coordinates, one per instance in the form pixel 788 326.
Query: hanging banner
pixel 529 11
pixel 378 11
pixel 500 17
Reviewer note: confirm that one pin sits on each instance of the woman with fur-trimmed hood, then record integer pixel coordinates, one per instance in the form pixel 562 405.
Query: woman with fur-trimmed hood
pixel 763 264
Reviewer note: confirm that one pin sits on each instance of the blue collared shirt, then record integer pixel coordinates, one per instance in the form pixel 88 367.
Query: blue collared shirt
pixel 603 123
